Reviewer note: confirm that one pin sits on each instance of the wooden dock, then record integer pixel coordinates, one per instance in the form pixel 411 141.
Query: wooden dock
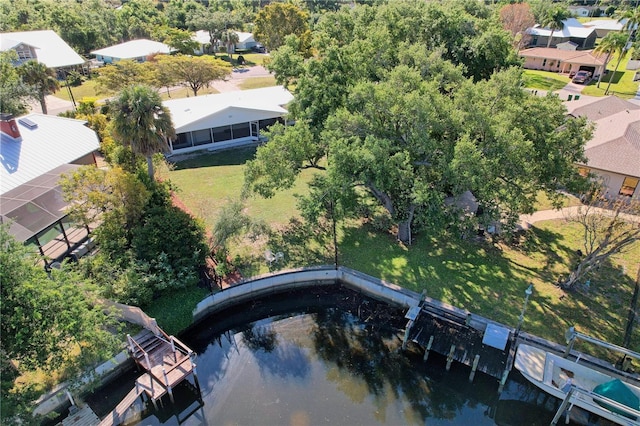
pixel 116 416
pixel 455 334
pixel 166 362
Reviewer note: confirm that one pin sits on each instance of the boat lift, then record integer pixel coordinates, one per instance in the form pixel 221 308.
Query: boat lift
pixel 628 416
pixel 571 335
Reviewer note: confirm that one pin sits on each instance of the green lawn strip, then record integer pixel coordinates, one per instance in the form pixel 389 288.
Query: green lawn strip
pixel 86 90
pixel 544 203
pixel 622 84
pixel 174 310
pixel 184 92
pixel 485 279
pixel 544 80
pixel 257 83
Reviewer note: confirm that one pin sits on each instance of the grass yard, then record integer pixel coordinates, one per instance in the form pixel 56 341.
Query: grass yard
pixel 482 277
pixel 85 90
pixel 257 83
pixel 544 80
pixel 622 84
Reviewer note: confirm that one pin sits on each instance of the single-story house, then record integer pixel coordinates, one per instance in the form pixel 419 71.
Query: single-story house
pixel 34 151
pixel 582 11
pixel 204 40
pixel 44 46
pixel 135 50
pixel 562 60
pixel 245 41
pixel 605 26
pixel 613 154
pixel 226 119
pixel 572 30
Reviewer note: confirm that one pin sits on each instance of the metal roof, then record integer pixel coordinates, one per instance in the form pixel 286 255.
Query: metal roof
pixel 53 142
pixel 571 28
pixel 35 205
pixel 134 49
pixel 187 111
pixel 50 49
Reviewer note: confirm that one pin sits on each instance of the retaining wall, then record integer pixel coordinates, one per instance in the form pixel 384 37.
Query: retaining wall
pixel 301 279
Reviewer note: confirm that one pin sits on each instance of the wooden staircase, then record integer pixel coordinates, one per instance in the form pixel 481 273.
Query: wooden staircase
pixel 166 362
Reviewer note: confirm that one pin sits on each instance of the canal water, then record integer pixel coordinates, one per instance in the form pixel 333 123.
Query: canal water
pixel 325 357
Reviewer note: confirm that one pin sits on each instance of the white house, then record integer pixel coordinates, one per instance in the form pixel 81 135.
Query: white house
pixel 226 119
pixel 245 41
pixel 136 50
pixel 34 151
pixel 43 46
pixel 613 153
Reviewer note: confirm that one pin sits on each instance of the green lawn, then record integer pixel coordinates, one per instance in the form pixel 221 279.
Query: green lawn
pixel 257 82
pixel 481 277
pixel 85 90
pixel 544 80
pixel 622 84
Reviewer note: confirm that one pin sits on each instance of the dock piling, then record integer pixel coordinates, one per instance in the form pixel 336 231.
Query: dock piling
pixel 476 359
pixel 427 349
pixel 450 357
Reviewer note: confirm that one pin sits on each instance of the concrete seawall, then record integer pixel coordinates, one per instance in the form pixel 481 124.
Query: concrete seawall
pixel 301 279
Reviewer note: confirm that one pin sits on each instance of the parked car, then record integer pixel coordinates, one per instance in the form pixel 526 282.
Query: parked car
pixel 258 48
pixel 581 77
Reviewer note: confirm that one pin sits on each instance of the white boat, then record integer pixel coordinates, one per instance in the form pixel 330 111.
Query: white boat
pixel 552 374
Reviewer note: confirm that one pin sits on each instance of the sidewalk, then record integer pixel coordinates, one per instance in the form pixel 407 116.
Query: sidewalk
pixel 526 220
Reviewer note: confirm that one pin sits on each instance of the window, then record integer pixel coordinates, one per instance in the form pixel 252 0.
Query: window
pixel 202 137
pixel 183 140
pixel 221 134
pixel 241 130
pixel 629 186
pixel 544 62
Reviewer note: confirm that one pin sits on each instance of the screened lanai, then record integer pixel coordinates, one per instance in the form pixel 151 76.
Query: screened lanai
pixel 36 215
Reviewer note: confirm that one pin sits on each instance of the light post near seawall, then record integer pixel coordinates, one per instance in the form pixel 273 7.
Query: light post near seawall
pixel 527 293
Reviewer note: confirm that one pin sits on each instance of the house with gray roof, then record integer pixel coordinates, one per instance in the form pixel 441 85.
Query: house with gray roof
pixel 613 154
pixel 572 30
pixel 34 151
pixel 224 120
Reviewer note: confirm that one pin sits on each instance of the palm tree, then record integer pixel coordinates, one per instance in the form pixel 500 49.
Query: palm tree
pixel 553 20
pixel 621 54
pixel 142 123
pixel 42 79
pixel 613 42
pixel 229 38
pixel 632 19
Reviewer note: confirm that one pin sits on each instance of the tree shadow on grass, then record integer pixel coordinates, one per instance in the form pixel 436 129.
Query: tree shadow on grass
pixel 230 157
pixel 546 249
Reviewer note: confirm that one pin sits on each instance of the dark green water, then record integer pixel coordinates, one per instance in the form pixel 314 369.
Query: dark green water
pixel 318 357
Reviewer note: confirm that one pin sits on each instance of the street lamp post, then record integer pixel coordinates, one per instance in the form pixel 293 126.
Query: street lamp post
pixel 527 293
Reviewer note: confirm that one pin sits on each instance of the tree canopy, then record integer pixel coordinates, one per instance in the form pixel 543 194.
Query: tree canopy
pixel 45 318
pixel 195 72
pixel 418 118
pixel 278 20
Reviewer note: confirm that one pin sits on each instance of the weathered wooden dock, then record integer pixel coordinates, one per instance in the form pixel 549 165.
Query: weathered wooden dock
pixel 166 362
pixel 484 346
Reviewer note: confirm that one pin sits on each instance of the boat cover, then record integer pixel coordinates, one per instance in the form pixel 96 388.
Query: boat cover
pixel 619 392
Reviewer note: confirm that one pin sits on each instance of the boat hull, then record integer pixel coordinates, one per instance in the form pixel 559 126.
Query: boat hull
pixel 550 372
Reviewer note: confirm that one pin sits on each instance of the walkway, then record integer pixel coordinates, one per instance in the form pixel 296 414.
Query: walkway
pixel 526 220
